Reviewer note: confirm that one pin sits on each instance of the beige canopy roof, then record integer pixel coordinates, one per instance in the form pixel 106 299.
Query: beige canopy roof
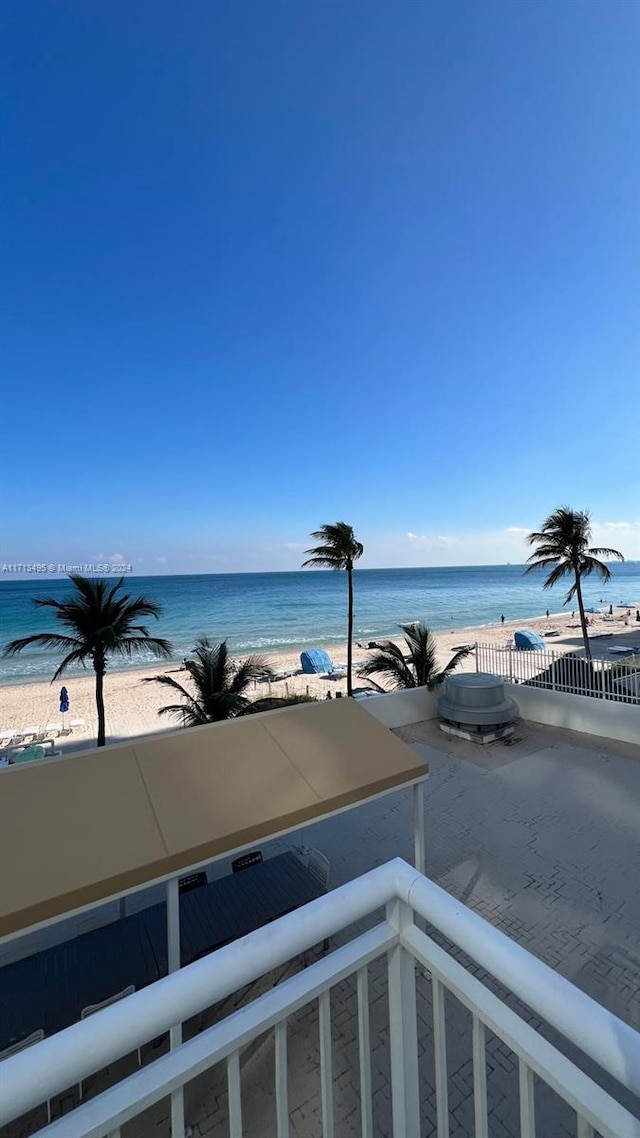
pixel 77 830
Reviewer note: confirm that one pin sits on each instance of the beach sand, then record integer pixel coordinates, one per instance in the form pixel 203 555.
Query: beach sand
pixel 132 706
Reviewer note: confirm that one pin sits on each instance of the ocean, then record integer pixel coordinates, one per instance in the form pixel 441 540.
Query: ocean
pixel 272 612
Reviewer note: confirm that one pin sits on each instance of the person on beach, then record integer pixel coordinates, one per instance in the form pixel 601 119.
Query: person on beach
pixel 502 619
pixel 547 614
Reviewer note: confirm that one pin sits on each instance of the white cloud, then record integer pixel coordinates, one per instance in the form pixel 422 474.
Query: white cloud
pixel 425 539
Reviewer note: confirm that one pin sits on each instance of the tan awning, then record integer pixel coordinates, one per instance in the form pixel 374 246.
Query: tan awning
pixel 75 831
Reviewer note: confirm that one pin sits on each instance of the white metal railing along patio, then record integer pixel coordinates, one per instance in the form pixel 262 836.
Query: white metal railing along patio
pixel 406 895
pixel 560 672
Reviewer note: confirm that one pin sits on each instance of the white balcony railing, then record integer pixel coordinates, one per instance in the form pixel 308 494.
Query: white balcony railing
pixel 407 899
pixel 616 679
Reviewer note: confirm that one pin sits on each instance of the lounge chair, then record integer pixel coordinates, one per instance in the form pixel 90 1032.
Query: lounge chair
pixel 29 732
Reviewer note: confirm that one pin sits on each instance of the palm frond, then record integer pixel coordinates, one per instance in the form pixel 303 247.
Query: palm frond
pixel 456 659
pixel 338 547
pixel 589 565
pixel 219 683
pixel 560 571
pixel 603 551
pixel 388 661
pixel 52 640
pixel 250 670
pixel 169 682
pixel 75 657
pixel 132 644
pixel 415 665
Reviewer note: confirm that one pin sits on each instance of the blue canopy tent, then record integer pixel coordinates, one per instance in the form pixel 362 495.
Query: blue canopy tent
pixel 528 641
pixel 315 661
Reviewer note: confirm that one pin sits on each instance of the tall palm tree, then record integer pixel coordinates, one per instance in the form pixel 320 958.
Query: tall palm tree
pixel 219 685
pixel 338 549
pixel 413 665
pixel 563 546
pixel 98 620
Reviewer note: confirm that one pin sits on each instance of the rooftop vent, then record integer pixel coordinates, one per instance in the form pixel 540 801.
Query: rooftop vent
pixel 475 707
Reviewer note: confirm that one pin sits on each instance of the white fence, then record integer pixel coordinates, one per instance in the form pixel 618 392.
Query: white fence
pixel 617 680
pixel 404 895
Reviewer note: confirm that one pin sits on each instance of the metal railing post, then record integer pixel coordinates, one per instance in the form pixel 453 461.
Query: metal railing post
pixel 419 855
pixel 403 1029
pixel 175 1032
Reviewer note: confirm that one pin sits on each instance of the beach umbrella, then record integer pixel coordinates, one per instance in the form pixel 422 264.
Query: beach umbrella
pixel 64 704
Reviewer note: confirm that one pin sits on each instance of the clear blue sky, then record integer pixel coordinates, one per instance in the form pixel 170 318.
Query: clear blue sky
pixel 267 265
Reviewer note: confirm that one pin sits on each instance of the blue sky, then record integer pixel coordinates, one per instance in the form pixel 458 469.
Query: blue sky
pixel 271 265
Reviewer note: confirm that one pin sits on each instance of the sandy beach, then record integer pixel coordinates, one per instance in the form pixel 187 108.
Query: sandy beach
pixel 132 706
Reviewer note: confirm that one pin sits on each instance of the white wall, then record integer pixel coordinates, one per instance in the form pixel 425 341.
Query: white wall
pixel 400 708
pixel 584 713
pixel 592 716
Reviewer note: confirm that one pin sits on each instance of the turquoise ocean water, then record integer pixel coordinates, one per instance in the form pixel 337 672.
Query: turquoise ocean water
pixel 271 612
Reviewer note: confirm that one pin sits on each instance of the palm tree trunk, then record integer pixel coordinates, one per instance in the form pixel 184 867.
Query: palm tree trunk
pixel 583 618
pixel 99 667
pixel 350 632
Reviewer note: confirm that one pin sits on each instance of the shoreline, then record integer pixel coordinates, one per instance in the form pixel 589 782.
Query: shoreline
pixel 335 647
pixel 132 706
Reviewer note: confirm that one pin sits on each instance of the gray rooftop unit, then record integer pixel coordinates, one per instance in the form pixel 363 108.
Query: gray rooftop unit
pixel 475 707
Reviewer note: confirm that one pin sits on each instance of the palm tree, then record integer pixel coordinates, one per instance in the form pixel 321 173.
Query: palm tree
pixel 413 665
pixel 563 543
pixel 220 685
pixel 98 620
pixel 338 549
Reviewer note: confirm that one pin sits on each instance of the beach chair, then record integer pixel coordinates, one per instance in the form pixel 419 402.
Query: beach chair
pixel 16 1048
pixel 28 732
pixel 91 1010
pixel 75 723
pixel 53 728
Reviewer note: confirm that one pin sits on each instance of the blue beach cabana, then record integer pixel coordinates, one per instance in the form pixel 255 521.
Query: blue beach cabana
pixel 528 641
pixel 316 661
